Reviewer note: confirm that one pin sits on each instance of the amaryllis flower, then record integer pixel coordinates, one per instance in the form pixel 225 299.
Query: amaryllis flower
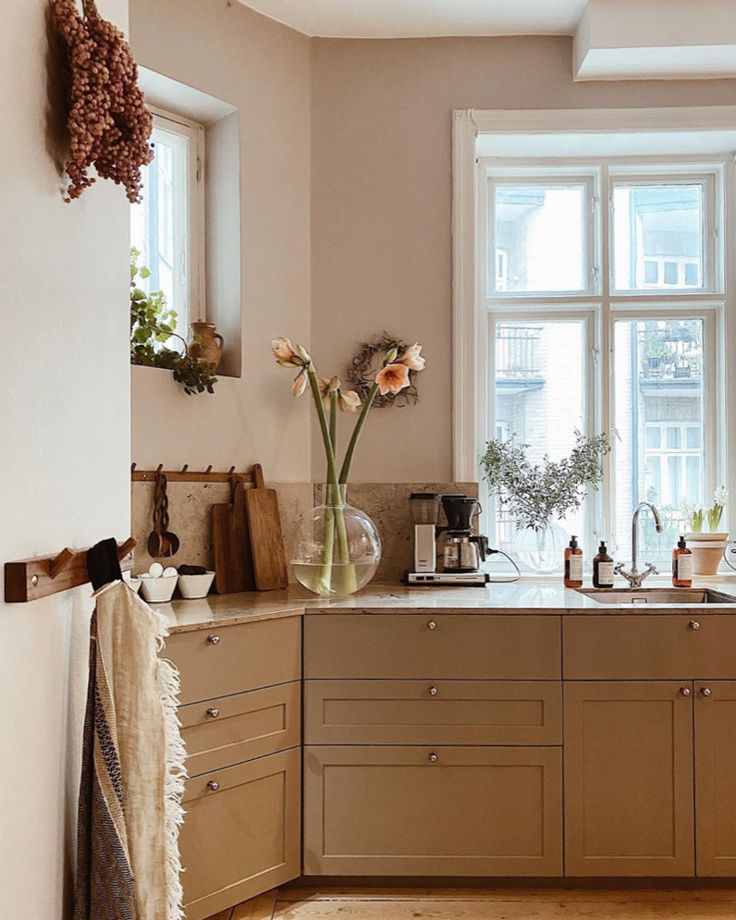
pixel 347 400
pixel 392 379
pixel 300 383
pixel 288 355
pixel 412 358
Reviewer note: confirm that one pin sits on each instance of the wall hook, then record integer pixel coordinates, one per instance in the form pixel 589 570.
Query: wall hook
pixel 185 468
pixel 61 561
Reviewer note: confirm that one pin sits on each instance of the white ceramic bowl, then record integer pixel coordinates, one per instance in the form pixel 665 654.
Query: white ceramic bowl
pixel 158 590
pixel 191 586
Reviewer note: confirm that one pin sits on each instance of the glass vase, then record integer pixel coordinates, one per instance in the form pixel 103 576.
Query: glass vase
pixel 542 551
pixel 338 548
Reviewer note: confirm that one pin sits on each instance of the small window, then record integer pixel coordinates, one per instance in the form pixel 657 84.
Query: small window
pixel 167 225
pixel 542 232
pixel 658 235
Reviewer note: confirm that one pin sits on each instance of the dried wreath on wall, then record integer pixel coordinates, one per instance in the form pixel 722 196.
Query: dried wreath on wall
pixel 109 124
pixel 361 372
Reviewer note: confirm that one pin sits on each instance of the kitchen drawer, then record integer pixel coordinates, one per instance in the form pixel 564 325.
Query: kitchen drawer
pixel 241 833
pixel 231 729
pixel 432 647
pixel 229 659
pixel 649 647
pixel 442 712
pixel 421 811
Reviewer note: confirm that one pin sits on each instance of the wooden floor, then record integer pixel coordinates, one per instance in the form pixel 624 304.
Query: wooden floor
pixel 485 904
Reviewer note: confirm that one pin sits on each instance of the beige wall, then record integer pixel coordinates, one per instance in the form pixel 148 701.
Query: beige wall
pixel 263 69
pixel 381 201
pixel 64 449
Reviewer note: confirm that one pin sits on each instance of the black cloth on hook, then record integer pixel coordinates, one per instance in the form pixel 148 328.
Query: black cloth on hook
pixel 103 564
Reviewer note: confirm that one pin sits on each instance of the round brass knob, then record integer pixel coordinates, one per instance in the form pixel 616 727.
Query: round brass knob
pixel 685 691
pixel 213 640
pixel 693 624
pixel 706 691
pixel 213 713
pixel 431 625
pixel 433 691
pixel 213 785
pixel 433 758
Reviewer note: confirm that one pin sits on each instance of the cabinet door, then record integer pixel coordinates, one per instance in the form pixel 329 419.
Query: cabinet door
pixel 628 778
pixel 432 811
pixel 241 833
pixel 715 771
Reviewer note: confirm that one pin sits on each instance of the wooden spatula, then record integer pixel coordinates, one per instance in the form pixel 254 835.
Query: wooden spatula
pixel 231 545
pixel 266 539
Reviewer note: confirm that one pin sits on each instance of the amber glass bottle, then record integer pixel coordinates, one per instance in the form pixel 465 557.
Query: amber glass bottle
pixel 602 568
pixel 573 565
pixel 682 565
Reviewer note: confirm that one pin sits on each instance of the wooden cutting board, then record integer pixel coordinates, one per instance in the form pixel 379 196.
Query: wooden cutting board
pixel 266 538
pixel 233 563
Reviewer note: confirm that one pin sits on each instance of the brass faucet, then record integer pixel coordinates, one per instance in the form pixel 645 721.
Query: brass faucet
pixel 635 577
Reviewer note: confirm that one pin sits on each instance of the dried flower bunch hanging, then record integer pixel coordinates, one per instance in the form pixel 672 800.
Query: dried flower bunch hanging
pixel 109 124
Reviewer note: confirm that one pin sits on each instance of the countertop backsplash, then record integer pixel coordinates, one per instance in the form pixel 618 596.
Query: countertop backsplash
pixel 387 503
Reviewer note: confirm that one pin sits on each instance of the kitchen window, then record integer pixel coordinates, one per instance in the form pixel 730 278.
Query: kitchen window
pixel 604 290
pixel 167 226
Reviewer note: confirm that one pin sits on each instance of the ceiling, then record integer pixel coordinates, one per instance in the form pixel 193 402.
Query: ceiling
pixel 424 18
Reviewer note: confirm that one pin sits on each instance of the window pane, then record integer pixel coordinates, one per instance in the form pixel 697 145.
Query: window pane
pixel 658 236
pixel 540 238
pixel 658 387
pixel 539 387
pixel 159 224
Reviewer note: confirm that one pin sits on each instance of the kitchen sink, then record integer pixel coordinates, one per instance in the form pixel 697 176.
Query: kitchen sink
pixel 643 596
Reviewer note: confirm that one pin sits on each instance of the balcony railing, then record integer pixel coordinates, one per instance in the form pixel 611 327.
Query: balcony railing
pixel 517 352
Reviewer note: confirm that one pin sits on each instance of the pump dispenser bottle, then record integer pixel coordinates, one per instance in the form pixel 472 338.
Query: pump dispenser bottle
pixel 573 565
pixel 682 565
pixel 602 568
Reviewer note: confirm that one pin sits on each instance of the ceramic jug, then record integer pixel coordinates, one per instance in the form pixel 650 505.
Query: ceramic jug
pixel 207 344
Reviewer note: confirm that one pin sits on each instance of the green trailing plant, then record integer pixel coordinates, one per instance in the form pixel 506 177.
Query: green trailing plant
pixel 153 327
pixel 536 493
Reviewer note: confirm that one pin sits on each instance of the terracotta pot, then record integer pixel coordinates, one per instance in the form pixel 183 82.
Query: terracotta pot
pixel 707 550
pixel 207 344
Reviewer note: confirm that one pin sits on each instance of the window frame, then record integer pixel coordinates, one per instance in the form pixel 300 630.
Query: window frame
pixel 605 305
pixel 194 134
pixel 562 177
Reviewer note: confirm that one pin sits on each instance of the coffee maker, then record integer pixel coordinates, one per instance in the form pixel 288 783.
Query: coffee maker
pixel 448 554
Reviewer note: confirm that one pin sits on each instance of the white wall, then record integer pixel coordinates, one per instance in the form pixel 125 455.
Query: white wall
pixel 64 418
pixel 263 69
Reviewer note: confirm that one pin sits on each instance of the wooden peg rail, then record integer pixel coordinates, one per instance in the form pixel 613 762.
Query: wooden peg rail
pixel 187 475
pixel 30 579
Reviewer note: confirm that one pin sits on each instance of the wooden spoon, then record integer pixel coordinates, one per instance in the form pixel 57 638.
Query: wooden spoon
pixel 169 540
pixel 155 541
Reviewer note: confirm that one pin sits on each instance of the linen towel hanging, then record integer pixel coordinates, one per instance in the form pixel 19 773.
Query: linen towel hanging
pixel 132 768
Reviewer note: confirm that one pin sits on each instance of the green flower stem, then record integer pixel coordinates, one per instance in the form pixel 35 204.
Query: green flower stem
pixel 345 469
pixel 332 483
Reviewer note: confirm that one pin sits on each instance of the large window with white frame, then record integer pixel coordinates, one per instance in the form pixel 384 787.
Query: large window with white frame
pixel 603 282
pixel 167 226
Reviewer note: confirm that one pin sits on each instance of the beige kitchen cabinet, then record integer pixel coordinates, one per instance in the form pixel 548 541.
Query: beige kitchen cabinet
pixel 651 646
pixel 232 729
pixel 443 811
pixel 715 777
pixel 231 659
pixel 456 646
pixel 241 833
pixel 628 749
pixel 433 712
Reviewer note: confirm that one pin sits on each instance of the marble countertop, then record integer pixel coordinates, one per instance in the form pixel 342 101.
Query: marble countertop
pixel 521 598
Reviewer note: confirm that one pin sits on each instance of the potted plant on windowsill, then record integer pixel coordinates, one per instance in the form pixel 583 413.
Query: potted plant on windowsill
pixel 539 495
pixel 707 545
